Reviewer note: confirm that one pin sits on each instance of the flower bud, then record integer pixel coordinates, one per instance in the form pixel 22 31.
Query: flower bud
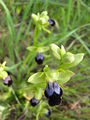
pixel 35 17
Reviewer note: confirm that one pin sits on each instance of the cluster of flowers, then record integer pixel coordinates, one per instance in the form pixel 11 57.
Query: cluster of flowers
pixel 53 91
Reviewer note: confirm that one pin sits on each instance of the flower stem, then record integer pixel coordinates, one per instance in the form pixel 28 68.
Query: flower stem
pixel 37 116
pixel 36 33
pixel 15 96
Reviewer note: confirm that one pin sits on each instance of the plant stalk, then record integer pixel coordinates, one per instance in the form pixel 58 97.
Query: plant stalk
pixel 36 34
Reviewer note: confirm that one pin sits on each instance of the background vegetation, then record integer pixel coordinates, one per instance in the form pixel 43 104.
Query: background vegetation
pixel 72 30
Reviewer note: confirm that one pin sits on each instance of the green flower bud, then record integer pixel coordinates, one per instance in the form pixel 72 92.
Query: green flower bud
pixel 41 19
pixel 35 18
pixel 62 50
pixel 44 13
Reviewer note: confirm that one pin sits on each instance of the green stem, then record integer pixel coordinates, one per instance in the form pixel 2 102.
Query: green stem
pixel 26 106
pixel 36 33
pixel 37 116
pixel 15 96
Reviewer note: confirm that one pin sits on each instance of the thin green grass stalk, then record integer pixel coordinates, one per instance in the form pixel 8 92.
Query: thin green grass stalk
pixel 64 18
pixel 51 2
pixel 2 45
pixel 35 7
pixel 27 58
pixel 82 42
pixel 74 20
pixel 17 54
pixel 23 19
pixel 58 41
pixel 46 4
pixel 13 67
pixel 71 45
pixel 86 6
pixel 12 31
pixel 70 9
pixel 16 97
pixel 19 35
pixel 29 70
pixel 78 7
pixel 13 10
pixel 27 30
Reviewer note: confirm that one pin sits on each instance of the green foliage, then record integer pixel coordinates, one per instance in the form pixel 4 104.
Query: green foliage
pixel 59 74
pixel 65 76
pixel 37 78
pixel 38 49
pixel 56 51
pixel 75 60
pixel 72 30
pixel 67 59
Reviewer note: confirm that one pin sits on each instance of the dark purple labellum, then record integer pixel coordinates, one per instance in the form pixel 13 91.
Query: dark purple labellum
pixel 51 22
pixel 39 58
pixel 53 102
pixel 53 92
pixel 48 113
pixel 34 102
pixel 7 81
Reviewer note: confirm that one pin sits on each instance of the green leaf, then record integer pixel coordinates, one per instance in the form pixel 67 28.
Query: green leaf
pixel 38 49
pixel 68 58
pixel 64 76
pixel 56 51
pixel 31 48
pixel 51 75
pixel 42 49
pixel 39 93
pixel 36 78
pixel 77 59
